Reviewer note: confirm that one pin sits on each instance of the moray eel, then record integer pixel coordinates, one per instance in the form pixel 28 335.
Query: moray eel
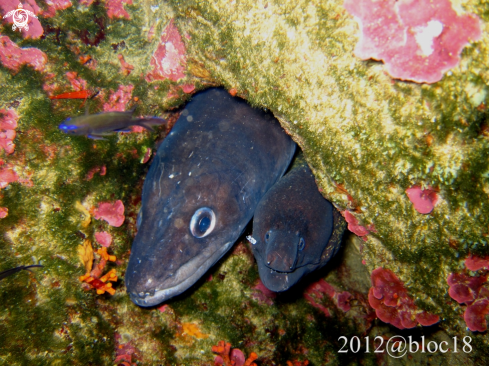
pixel 201 191
pixel 295 230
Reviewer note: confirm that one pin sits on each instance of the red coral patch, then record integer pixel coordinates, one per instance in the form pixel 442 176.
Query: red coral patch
pixel 392 304
pixel 472 291
pixel 423 200
pixel 169 60
pixel 417 40
pixel 13 57
pixel 113 213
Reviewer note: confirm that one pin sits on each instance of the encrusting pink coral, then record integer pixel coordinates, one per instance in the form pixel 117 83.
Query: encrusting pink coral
pixel 423 200
pixel 475 263
pixel 169 60
pixel 13 57
pixel 353 226
pixel 263 294
pixel 7 176
pixel 98 169
pixel 115 8
pixel 8 124
pixel 113 213
pixel 417 40
pixel 103 238
pixel 315 291
pixel 472 291
pixel 54 6
pixel 126 68
pixel 119 99
pixel 393 305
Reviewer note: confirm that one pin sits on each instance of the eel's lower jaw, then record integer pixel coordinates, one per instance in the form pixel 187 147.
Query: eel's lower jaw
pixel 197 271
pixel 276 281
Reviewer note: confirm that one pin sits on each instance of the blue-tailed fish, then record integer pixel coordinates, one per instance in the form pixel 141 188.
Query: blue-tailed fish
pixel 295 230
pixel 11 271
pixel 96 126
pixel 201 191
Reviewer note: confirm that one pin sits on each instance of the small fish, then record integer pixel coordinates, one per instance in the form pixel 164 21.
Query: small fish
pixel 11 271
pixel 96 126
pixel 201 190
pixel 81 94
pixel 295 230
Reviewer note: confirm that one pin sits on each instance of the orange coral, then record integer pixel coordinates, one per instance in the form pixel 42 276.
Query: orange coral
pixel 298 363
pixel 223 349
pixel 94 277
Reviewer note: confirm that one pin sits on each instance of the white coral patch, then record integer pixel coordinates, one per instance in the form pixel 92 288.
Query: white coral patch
pixel 425 35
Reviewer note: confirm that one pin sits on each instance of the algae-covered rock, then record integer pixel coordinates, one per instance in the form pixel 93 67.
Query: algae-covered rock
pixel 379 148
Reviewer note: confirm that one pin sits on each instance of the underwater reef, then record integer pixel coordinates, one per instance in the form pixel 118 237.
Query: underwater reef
pixel 387 100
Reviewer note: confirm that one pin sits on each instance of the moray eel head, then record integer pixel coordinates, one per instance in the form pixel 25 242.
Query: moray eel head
pixel 283 249
pixel 295 230
pixel 172 253
pixel 200 192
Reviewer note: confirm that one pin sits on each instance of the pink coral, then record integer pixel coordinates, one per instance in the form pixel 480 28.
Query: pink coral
pixel 393 305
pixel 418 41
pixel 8 119
pixel 98 169
pixel 8 124
pixel 113 213
pixel 188 88
pixel 353 226
pixel 423 200
pixel 13 57
pixel 76 82
pixel 3 212
pixel 124 352
pixel 55 5
pixel 103 238
pixel 115 8
pixel 472 291
pixel 35 30
pixel 475 263
pixel 6 141
pixel 317 290
pixel 263 294
pixel 147 155
pixel 118 100
pixel 7 176
pixel 126 68
pixel 169 60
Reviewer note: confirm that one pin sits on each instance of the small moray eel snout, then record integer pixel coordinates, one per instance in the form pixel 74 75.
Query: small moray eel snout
pixel 295 230
pixel 201 191
pixel 280 254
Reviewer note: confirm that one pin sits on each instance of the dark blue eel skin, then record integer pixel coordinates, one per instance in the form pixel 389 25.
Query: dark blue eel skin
pixel 295 230
pixel 201 191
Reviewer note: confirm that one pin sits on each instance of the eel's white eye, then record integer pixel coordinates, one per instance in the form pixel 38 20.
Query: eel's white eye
pixel 202 222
